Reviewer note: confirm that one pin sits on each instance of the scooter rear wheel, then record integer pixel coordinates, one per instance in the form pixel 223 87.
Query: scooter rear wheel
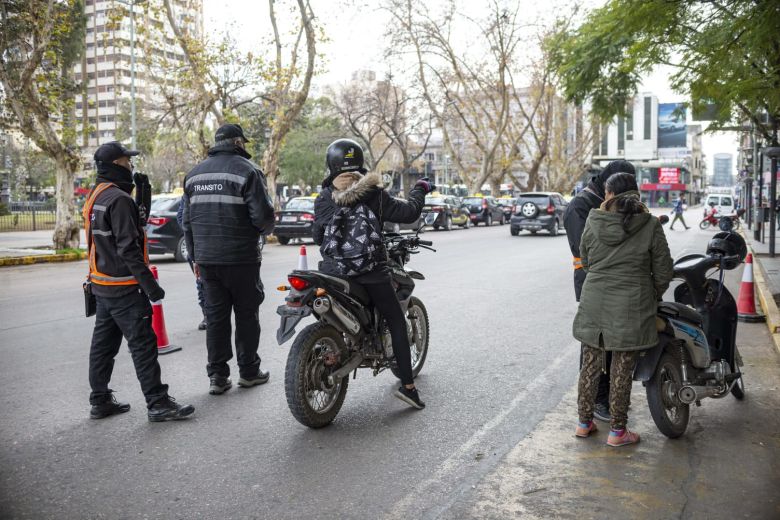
pixel 669 413
pixel 704 224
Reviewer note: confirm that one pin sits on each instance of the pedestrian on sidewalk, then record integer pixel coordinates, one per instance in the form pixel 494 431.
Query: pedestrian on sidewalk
pixel 679 209
pixel 122 284
pixel 226 208
pixel 777 212
pixel 574 218
pixel 198 282
pixel 626 256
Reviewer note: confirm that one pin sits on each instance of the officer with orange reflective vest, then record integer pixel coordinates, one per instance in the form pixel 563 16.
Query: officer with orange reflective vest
pixel 123 285
pixel 574 219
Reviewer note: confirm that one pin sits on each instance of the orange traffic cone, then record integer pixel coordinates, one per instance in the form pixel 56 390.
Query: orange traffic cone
pixel 746 302
pixel 303 262
pixel 158 324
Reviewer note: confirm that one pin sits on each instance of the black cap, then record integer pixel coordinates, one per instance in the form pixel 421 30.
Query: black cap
pixel 230 131
pixel 111 151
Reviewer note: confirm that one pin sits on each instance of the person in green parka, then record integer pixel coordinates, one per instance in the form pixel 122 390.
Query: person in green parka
pixel 626 256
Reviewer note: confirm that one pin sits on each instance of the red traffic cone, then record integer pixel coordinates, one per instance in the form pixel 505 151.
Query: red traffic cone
pixel 158 324
pixel 303 262
pixel 746 302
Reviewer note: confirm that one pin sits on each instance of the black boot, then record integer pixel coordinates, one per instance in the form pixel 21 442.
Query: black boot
pixel 167 409
pixel 260 379
pixel 601 412
pixel 219 385
pixel 106 408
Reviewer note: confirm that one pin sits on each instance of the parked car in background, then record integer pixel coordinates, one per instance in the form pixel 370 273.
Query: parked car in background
pixel 483 208
pixel 724 203
pixel 507 204
pixel 164 236
pixel 538 211
pixel 295 220
pixel 446 211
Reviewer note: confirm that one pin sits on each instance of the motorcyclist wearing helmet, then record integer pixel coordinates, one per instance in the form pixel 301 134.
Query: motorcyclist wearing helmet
pixel 348 184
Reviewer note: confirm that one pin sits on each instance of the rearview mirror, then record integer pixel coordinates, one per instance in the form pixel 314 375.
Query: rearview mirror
pixel 663 219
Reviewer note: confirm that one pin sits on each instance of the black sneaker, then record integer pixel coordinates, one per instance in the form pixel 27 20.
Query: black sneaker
pixel 168 410
pixel 106 408
pixel 410 397
pixel 203 325
pixel 260 379
pixel 219 385
pixel 601 412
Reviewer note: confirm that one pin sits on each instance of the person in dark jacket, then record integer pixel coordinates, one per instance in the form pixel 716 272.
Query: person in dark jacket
pixel 198 282
pixel 625 253
pixel 574 219
pixel 347 185
pixel 122 283
pixel 679 210
pixel 226 208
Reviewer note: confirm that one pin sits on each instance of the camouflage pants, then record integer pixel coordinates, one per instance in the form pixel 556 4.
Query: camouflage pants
pixel 621 374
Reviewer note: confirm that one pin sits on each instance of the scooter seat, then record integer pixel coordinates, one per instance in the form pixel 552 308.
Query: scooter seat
pixel 680 311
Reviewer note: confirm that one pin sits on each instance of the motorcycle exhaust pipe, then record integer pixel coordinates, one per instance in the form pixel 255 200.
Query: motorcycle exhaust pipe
pixel 344 320
pixel 689 394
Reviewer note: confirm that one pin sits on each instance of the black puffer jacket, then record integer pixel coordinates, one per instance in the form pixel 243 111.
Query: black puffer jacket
pixel 226 208
pixel 370 191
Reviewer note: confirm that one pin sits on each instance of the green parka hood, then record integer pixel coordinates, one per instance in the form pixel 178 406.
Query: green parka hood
pixel 608 226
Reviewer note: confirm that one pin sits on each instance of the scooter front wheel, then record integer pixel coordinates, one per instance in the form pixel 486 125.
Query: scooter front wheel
pixel 669 413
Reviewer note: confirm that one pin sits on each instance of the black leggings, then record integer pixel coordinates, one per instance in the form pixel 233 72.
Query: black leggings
pixel 386 302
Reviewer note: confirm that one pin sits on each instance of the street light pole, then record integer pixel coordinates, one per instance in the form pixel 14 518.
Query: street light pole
pixel 132 72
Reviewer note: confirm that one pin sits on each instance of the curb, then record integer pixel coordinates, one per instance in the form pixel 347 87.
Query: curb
pixel 767 301
pixel 42 259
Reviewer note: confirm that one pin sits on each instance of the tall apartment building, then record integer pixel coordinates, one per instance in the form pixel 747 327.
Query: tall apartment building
pixel 105 68
pixel 722 170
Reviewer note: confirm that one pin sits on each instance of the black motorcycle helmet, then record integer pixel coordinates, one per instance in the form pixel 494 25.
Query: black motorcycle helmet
pixel 343 155
pixel 725 244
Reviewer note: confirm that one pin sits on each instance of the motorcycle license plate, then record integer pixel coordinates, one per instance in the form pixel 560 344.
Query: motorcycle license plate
pixel 290 317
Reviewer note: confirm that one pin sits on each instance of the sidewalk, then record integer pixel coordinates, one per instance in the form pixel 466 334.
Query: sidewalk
pixel 29 243
pixel 727 465
pixel 767 278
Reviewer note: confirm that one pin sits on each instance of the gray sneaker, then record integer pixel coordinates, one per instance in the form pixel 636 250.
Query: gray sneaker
pixel 219 385
pixel 601 412
pixel 261 378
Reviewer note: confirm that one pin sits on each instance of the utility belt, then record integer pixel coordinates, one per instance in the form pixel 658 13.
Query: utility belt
pixel 94 275
pixel 577 263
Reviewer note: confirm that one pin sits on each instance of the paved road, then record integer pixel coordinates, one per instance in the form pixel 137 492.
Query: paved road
pixel 501 355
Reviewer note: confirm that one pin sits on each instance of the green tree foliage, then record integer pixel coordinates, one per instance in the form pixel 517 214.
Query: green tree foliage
pixel 40 41
pixel 302 158
pixel 723 52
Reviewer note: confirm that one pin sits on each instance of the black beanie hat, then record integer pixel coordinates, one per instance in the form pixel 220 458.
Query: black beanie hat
pixel 600 179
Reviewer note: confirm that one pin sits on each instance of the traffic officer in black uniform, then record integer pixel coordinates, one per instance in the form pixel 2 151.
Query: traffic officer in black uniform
pixel 226 208
pixel 574 219
pixel 123 285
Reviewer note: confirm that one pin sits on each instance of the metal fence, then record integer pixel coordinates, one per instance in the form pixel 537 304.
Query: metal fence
pixel 28 216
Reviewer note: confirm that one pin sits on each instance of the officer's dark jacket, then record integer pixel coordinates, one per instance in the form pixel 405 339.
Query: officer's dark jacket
pixel 370 191
pixel 574 219
pixel 119 244
pixel 226 208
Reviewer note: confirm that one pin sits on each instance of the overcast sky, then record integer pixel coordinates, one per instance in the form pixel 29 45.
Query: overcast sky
pixel 355 30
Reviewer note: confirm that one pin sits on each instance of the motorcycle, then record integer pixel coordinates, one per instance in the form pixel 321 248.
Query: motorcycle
pixel 697 356
pixel 348 334
pixel 709 219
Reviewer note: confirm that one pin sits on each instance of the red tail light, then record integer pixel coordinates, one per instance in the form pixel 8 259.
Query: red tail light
pixel 157 221
pixel 437 208
pixel 550 209
pixel 298 284
pixel 308 217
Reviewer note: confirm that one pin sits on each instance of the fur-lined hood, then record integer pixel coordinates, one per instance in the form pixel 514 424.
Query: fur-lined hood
pixel 351 187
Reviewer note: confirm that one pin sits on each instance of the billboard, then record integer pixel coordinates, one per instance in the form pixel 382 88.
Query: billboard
pixel 672 132
pixel 668 175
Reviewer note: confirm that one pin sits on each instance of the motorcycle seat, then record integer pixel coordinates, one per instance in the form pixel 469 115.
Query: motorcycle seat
pixel 680 311
pixel 351 288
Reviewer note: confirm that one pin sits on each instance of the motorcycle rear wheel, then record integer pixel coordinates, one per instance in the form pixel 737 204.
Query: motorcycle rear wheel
pixel 418 344
pixel 669 413
pixel 311 399
pixel 704 224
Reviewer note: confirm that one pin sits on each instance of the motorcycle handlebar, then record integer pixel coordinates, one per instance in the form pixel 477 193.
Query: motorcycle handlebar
pixel 425 242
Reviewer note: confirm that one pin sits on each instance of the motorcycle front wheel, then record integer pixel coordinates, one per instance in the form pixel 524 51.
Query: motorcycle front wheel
pixel 704 224
pixel 669 413
pixel 315 353
pixel 419 327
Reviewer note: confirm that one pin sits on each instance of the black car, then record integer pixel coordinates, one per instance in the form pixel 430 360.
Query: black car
pixel 508 205
pixel 538 211
pixel 444 212
pixel 164 236
pixel 295 220
pixel 163 233
pixel 484 208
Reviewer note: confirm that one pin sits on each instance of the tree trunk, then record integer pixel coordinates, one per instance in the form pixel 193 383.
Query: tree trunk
pixel 271 168
pixel 66 227
pixel 495 187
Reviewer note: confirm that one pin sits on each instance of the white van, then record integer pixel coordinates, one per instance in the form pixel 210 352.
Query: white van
pixel 724 203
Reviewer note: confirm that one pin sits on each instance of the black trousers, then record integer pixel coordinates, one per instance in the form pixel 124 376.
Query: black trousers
pixel 602 394
pixel 386 302
pixel 129 316
pixel 235 288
